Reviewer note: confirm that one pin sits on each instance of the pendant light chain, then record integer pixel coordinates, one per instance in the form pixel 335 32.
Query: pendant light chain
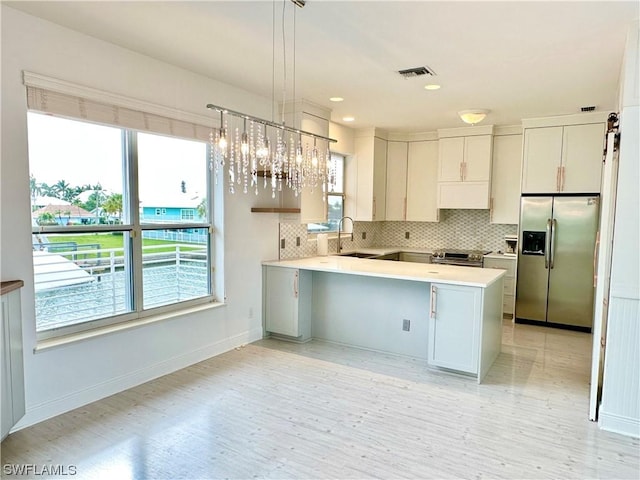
pixel 263 148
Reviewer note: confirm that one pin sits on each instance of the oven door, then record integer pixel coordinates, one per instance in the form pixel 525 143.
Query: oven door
pixel 461 263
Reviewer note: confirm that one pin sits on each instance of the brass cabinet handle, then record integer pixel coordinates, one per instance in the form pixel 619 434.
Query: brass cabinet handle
pixel 491 209
pixel 562 176
pixel 295 285
pixel 558 179
pixel 432 313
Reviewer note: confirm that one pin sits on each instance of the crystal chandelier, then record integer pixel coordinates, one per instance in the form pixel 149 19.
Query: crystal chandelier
pixel 246 148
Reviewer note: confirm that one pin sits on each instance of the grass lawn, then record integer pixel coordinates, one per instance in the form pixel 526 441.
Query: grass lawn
pixel 108 240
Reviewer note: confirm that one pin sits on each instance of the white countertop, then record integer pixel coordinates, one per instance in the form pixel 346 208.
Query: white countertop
pixel 419 272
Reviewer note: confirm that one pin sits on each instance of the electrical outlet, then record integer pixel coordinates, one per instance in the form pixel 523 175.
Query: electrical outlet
pixel 406 325
pixel 297 241
pixel 282 243
pixel 364 235
pixel 406 235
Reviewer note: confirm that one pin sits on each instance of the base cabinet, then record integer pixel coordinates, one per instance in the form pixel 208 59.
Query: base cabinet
pixel 454 327
pixel 287 302
pixel 12 402
pixel 509 293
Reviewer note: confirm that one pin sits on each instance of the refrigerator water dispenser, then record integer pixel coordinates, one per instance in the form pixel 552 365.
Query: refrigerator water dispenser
pixel 533 243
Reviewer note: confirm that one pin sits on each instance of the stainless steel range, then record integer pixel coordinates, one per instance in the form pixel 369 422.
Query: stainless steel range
pixel 464 258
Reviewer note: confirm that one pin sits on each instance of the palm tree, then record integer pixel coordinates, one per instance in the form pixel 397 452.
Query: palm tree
pixel 36 190
pixel 62 190
pixel 202 208
pixel 113 205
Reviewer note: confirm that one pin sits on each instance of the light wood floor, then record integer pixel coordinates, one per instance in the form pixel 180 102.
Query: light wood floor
pixel 280 410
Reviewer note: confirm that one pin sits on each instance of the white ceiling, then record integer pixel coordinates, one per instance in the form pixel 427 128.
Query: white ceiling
pixel 518 59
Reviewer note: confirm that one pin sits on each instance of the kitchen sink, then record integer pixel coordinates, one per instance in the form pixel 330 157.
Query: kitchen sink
pixel 357 254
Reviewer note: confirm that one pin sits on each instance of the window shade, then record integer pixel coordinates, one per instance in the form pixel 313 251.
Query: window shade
pixel 72 106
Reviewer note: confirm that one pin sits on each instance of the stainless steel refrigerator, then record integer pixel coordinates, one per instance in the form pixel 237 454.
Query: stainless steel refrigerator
pixel 556 255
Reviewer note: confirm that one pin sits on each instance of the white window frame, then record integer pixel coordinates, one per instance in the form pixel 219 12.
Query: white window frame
pixel 132 233
pixel 341 194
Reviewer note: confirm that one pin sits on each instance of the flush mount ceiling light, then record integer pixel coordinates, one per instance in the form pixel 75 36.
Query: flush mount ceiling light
pixel 348 119
pixel 336 99
pixel 432 86
pixel 473 116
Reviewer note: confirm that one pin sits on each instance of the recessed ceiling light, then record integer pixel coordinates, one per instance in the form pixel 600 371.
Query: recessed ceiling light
pixel 348 119
pixel 336 99
pixel 432 86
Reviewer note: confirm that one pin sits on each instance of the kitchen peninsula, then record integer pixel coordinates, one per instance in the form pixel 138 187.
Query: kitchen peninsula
pixel 447 315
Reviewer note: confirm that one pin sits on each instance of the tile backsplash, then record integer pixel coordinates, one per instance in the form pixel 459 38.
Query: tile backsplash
pixel 466 229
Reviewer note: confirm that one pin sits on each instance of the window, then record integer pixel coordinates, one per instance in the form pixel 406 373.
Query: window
pixel 335 201
pixel 187 214
pixel 114 239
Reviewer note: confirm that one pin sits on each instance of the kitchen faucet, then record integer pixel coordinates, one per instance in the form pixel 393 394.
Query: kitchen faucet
pixel 340 231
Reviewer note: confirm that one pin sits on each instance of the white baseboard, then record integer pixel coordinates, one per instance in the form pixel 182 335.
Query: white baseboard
pixel 618 424
pixel 49 409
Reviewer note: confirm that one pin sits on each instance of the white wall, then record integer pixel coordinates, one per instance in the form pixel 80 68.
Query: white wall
pixel 69 376
pixel 620 408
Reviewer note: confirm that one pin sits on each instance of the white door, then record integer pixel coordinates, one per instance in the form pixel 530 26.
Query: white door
pixel 477 158
pixel 505 188
pixel 451 158
pixel 603 273
pixel 379 178
pixel 281 309
pixel 396 193
pixel 454 323
pixel 422 182
pixel 541 160
pixel 582 147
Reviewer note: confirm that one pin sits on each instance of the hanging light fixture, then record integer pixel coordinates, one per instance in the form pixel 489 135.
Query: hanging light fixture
pixel 264 151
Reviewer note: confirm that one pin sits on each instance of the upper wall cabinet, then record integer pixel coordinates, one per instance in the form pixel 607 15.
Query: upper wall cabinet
pixel 422 182
pixel 506 168
pixel 396 189
pixel 371 173
pixel 412 181
pixel 563 154
pixel 464 167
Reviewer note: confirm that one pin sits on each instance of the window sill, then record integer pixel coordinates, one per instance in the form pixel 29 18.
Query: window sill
pixel 50 343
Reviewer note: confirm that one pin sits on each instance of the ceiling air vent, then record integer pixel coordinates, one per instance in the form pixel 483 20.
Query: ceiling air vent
pixel 587 109
pixel 416 72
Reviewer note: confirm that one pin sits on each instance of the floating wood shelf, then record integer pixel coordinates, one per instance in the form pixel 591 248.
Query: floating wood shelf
pixel 274 210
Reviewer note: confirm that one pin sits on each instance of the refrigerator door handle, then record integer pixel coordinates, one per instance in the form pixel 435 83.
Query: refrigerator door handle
pixel 547 242
pixel 554 225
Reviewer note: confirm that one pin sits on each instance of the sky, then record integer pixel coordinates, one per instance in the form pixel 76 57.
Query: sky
pixel 83 153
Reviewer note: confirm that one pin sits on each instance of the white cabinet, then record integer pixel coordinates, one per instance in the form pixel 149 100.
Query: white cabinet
pixel 464 171
pixel 454 327
pixel 412 180
pixel 509 286
pixel 505 188
pixel 396 188
pixel 422 182
pixel 563 158
pixel 371 172
pixel 287 302
pixel 12 403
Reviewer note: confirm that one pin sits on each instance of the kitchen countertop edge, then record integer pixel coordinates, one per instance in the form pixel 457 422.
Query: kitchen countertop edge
pixel 418 272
